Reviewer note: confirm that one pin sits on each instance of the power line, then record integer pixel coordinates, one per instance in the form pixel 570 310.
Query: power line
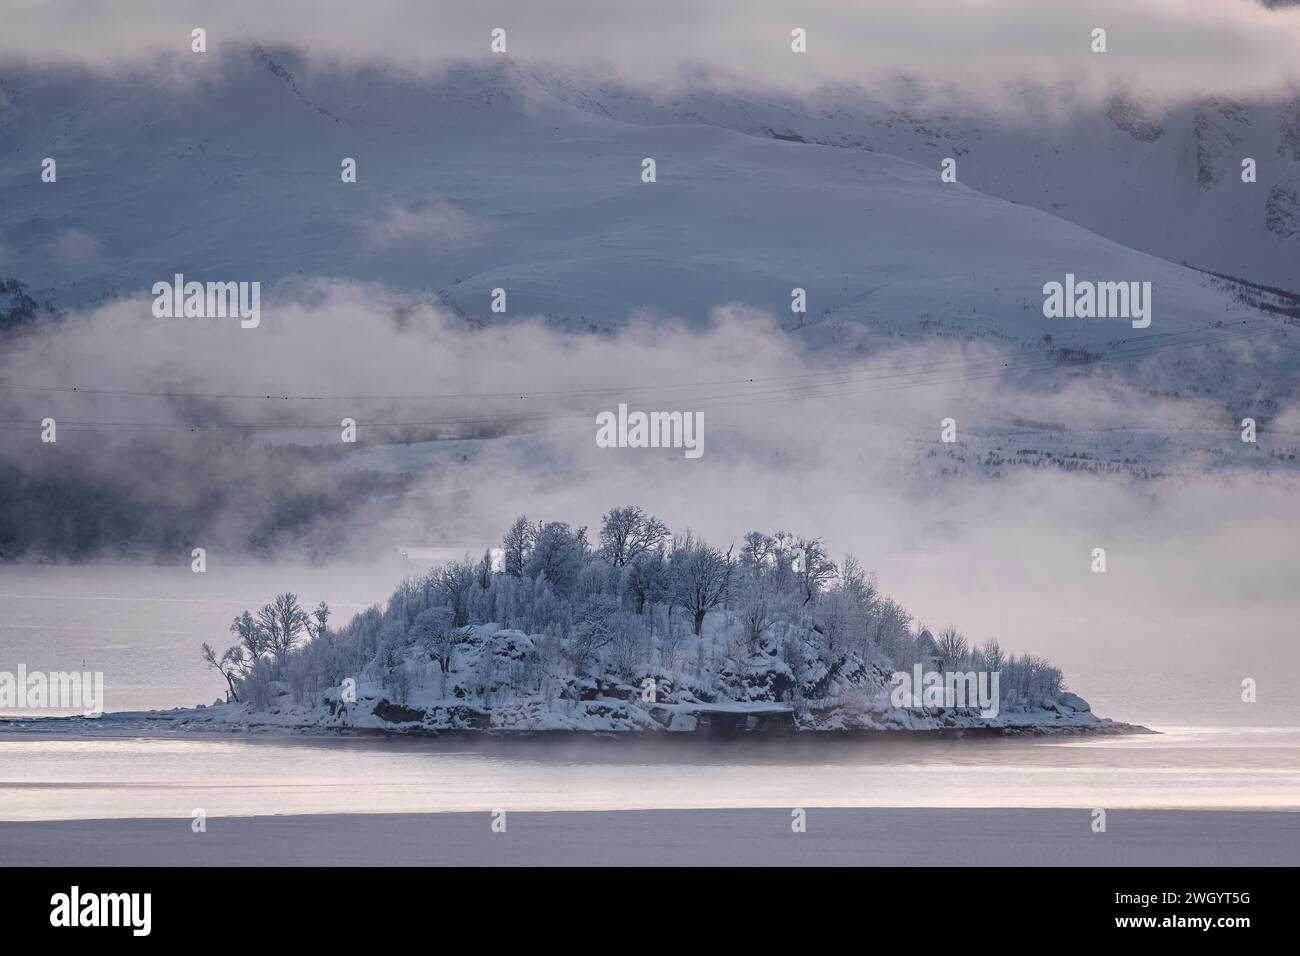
pixel 971 371
pixel 552 393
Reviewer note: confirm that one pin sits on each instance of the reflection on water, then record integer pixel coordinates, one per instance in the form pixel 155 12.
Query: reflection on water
pixel 45 777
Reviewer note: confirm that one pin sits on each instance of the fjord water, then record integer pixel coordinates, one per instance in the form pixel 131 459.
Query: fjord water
pixel 50 778
pixel 142 628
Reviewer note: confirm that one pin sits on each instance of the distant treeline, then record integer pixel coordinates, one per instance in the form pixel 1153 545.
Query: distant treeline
pixel 19 309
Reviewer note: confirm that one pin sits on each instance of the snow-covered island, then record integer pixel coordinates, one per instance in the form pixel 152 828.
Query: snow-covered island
pixel 641 631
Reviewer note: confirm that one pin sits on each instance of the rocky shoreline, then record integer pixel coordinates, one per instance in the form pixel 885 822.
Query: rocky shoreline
pixel 609 720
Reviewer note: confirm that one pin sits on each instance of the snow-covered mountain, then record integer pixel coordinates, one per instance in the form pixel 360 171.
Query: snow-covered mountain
pixel 513 179
pixel 492 180
pixel 1163 179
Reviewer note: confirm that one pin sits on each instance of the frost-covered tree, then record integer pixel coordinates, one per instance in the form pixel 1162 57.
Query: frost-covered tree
pixel 516 545
pixel 813 569
pixel 890 625
pixel 991 652
pixel 627 532
pixel 434 629
pixel 283 622
pixel 454 583
pixel 841 622
pixel 857 583
pixel 699 577
pixel 593 629
pixel 229 664
pixel 672 639
pixel 629 644
pixel 253 641
pixel 483 571
pixel 320 620
pixel 757 553
pixel 953 647
pixel 756 607
pixel 557 555
pixel 645 579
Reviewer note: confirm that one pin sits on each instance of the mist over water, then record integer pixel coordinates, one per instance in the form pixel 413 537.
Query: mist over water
pixel 62 778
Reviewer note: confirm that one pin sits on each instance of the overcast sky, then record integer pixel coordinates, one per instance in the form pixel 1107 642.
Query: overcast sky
pixel 1164 47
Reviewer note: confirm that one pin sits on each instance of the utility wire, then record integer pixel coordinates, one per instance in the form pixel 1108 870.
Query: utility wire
pixel 970 371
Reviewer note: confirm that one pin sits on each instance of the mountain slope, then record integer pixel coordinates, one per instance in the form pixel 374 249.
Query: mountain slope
pixel 1166 180
pixel 478 183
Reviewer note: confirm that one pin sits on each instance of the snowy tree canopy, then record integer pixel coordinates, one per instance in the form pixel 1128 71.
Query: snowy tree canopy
pixel 646 630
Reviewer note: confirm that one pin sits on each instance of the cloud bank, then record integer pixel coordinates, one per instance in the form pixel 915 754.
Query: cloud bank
pixel 1166 48
pixel 1001 556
